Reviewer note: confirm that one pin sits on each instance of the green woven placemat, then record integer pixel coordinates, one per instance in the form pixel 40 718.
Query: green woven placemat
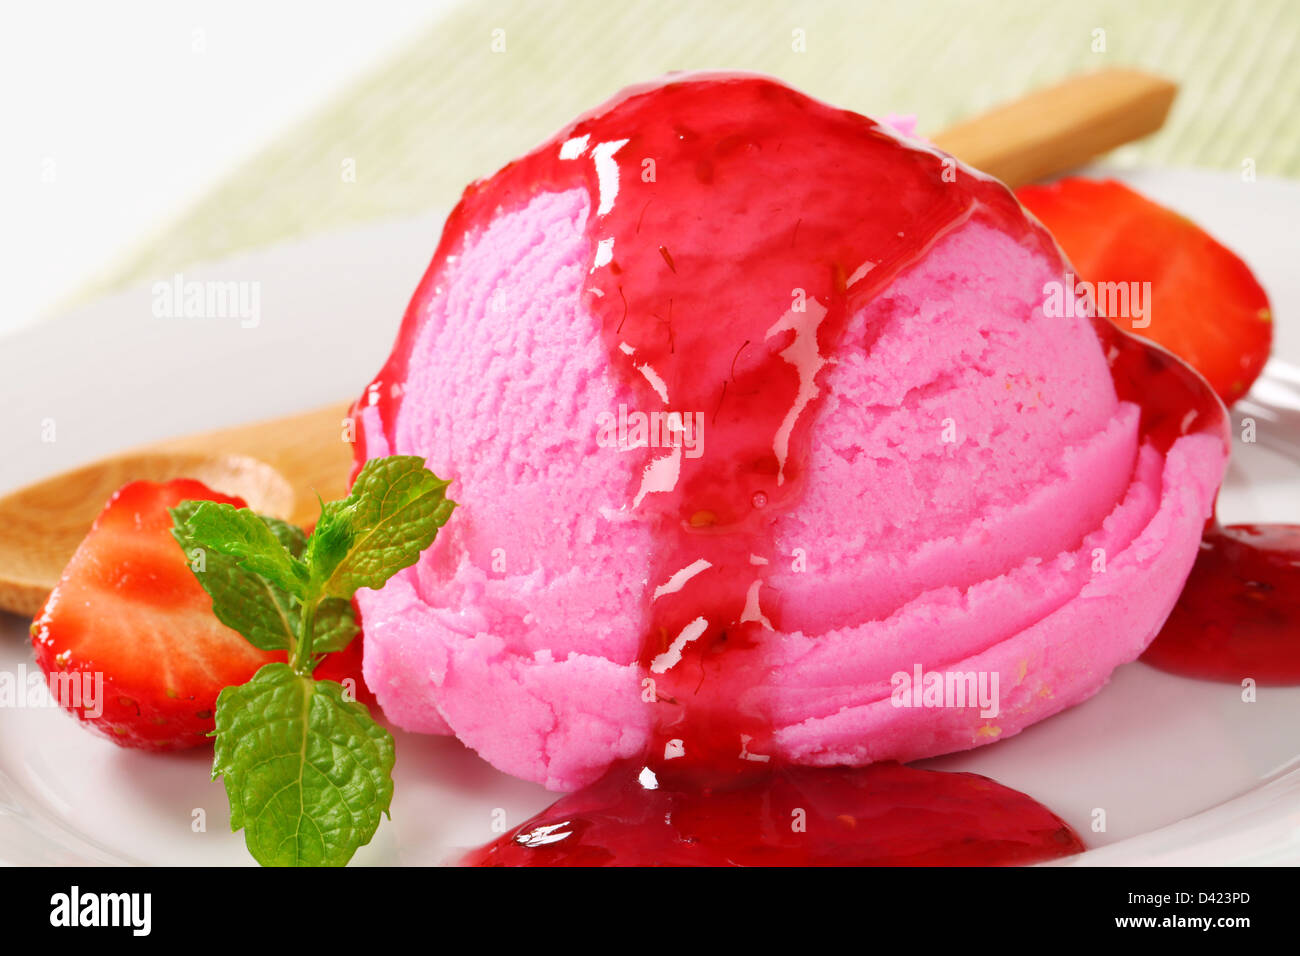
pixel 493 79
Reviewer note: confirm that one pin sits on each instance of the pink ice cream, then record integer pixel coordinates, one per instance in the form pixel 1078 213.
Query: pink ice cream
pixel 976 499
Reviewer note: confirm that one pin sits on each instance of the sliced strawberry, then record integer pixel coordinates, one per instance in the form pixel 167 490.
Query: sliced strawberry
pixel 128 641
pixel 1205 307
pixel 128 613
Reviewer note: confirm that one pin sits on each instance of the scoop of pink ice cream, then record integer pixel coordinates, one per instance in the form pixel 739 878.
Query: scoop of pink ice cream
pixel 976 499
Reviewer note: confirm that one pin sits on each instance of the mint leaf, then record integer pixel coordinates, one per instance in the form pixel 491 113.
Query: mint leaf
pixel 248 537
pixel 392 514
pixel 331 540
pixel 242 600
pixel 336 625
pixel 290 536
pixel 308 773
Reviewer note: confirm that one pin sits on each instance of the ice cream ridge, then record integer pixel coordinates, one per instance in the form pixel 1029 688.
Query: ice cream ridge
pixel 773 454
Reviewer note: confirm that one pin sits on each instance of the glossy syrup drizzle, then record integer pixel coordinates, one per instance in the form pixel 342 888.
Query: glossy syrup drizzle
pixel 735 226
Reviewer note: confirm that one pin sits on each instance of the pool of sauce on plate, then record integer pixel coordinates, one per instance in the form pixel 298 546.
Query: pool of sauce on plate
pixel 735 226
pixel 1239 614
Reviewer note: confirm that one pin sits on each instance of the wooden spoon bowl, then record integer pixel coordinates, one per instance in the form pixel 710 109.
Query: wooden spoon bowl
pixel 278 467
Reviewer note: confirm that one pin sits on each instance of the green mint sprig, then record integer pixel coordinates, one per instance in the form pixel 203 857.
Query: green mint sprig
pixel 307 770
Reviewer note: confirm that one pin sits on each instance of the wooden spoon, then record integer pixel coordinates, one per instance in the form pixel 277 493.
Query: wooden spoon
pixel 277 466
pixel 1062 127
pixel 280 466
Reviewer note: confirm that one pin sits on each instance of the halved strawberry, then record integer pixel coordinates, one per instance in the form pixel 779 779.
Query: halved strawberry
pixel 128 640
pixel 1206 306
pixel 129 616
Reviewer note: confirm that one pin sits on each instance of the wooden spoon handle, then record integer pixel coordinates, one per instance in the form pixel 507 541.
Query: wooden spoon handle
pixel 1062 127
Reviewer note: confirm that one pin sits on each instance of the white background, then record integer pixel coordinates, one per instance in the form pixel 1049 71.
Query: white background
pixel 135 122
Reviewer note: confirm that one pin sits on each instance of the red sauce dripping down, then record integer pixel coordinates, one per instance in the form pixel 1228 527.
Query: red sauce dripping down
pixel 696 182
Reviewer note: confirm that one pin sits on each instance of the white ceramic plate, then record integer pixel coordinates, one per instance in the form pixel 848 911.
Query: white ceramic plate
pixel 1185 771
